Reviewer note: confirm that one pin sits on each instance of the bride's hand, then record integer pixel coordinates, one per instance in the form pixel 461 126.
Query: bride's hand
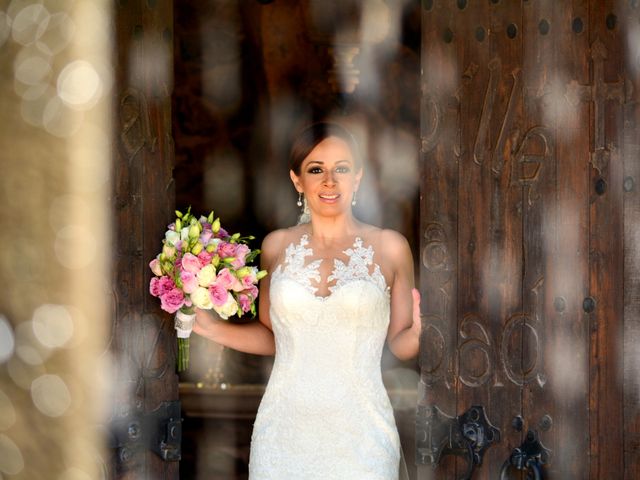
pixel 416 326
pixel 204 322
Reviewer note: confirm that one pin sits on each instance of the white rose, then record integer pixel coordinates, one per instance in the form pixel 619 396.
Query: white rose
pixel 206 275
pixel 229 309
pixel 172 237
pixel 201 298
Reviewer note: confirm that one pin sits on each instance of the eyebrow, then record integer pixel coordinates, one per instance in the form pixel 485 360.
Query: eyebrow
pixel 320 162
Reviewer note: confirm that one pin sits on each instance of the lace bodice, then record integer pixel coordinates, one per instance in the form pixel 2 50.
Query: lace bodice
pixel 358 267
pixel 325 413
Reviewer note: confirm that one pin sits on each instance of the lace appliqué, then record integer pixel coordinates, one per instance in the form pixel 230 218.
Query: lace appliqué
pixel 357 268
pixel 295 268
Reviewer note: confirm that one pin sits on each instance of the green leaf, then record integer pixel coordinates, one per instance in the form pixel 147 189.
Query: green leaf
pixel 251 256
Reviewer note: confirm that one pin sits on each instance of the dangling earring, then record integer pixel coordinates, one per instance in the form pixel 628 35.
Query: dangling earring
pixel 353 200
pixel 305 216
pixel 299 199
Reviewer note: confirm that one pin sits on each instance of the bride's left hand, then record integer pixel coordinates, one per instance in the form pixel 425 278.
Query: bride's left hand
pixel 416 326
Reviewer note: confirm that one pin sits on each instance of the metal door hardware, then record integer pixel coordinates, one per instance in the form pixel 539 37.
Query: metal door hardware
pixel 159 431
pixel 530 456
pixel 468 435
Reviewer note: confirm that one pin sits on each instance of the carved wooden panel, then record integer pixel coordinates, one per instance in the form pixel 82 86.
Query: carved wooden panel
pixel 143 340
pixel 529 138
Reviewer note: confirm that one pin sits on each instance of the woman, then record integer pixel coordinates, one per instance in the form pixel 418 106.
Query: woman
pixel 337 289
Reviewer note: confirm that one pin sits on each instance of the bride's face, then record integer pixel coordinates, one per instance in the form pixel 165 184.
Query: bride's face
pixel 328 177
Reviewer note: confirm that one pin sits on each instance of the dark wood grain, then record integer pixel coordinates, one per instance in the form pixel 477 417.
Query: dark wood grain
pixel 606 234
pixel 555 219
pixel 548 138
pixel 143 203
pixel 438 204
pixel 629 17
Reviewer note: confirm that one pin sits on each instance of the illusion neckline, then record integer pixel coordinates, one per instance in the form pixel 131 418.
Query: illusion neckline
pixel 303 245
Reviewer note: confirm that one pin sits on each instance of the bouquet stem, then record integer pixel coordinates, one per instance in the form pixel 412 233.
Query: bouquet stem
pixel 183 354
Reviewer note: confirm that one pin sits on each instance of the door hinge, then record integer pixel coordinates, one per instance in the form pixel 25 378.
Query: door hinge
pixel 159 431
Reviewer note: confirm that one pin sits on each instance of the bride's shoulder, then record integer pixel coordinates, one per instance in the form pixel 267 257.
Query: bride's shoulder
pixel 391 245
pixel 276 241
pixel 385 237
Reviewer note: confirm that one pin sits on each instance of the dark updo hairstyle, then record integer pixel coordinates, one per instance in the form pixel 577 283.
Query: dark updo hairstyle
pixel 315 133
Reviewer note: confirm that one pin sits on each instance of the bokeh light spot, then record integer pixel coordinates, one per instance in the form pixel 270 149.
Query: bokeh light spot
pixel 7 412
pixel 32 69
pixel 29 23
pixel 29 355
pixel 11 461
pixel 52 325
pixel 75 247
pixel 7 340
pixel 32 110
pixel 5 27
pixel 22 374
pixel 224 182
pixel 60 120
pixel 57 35
pixel 50 395
pixel 33 92
pixel 79 85
pixel 27 348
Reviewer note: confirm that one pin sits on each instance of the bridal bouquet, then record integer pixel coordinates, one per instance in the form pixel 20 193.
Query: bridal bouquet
pixel 202 266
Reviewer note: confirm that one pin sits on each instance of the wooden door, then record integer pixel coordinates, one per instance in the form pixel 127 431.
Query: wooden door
pixel 145 409
pixel 529 253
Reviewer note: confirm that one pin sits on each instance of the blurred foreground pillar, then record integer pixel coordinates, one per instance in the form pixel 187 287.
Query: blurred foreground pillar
pixel 55 163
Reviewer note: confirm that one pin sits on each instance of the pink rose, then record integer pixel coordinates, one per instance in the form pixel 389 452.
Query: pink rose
pixel 154 287
pixel 249 281
pixel 154 265
pixel 189 281
pixel 166 284
pixel 227 249
pixel 252 291
pixel 172 300
pixel 160 286
pixel 226 279
pixel 241 252
pixel 205 258
pixel 190 263
pixel 245 302
pixel 219 294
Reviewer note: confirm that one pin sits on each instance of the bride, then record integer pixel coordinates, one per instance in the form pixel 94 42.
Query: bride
pixel 337 289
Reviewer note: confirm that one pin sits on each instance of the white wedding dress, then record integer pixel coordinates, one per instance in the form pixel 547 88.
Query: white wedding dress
pixel 325 413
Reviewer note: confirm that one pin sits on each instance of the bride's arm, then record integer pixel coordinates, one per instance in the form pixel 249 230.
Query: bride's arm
pixel 403 335
pixel 255 337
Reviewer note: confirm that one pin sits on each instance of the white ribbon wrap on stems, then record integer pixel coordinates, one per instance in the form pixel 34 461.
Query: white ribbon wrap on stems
pixel 184 324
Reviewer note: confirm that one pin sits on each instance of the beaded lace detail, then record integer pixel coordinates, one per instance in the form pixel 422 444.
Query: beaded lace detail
pixel 325 414
pixel 358 267
pixel 294 264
